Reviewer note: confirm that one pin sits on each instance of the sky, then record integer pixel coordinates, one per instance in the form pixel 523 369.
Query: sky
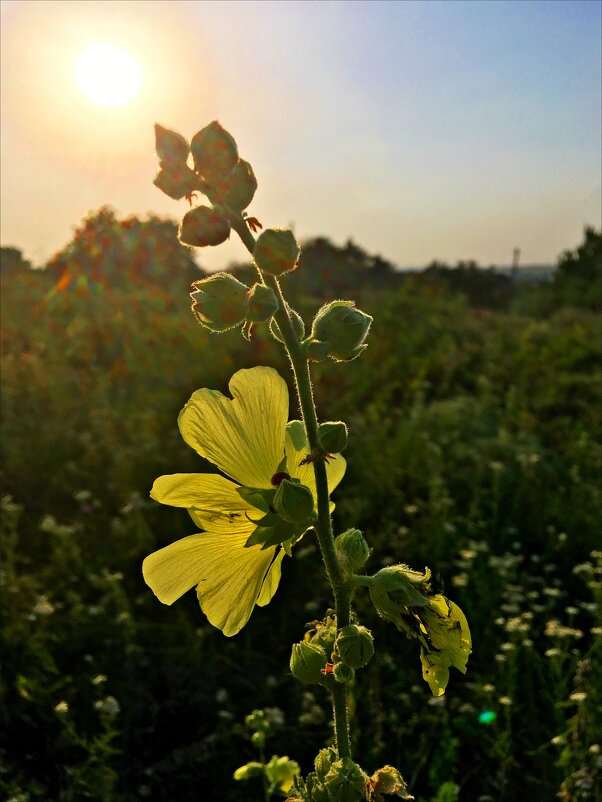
pixel 421 130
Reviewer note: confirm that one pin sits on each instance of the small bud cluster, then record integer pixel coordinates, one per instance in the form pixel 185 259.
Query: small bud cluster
pixel 279 773
pixel 339 330
pixel 326 654
pixel 217 172
pixel 337 779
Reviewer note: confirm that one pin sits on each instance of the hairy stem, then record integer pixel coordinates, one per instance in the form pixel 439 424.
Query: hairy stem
pixel 341 590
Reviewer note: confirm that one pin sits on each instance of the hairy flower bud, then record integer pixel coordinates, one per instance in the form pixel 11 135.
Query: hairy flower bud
pixel 297 322
pixel 176 180
pixel 171 147
pixel 219 302
pixel 352 549
pixel 263 303
pixel 345 781
pixel 344 327
pixel 354 645
pixel 307 662
pixel 343 673
pixel 293 501
pixel 276 251
pixel 214 152
pixel 203 226
pixel 241 185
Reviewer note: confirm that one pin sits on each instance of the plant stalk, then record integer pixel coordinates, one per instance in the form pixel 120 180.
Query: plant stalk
pixel 341 590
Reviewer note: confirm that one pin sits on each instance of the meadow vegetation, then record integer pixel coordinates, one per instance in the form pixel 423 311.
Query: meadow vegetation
pixel 474 422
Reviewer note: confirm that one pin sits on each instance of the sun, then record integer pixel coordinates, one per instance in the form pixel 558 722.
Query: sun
pixel 108 74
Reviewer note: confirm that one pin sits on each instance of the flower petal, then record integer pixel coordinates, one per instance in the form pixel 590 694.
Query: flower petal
pixel 211 499
pixel 297 448
pixel 228 576
pixel 244 435
pixel 271 581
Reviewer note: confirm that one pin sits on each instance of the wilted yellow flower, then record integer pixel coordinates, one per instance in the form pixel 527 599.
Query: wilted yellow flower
pixel 445 641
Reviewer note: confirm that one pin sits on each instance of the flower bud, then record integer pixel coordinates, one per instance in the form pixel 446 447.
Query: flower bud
pixel 219 302
pixel 343 327
pixel 332 436
pixel 214 152
pixel 345 781
pixel 203 226
pixel 354 645
pixel 352 549
pixel 307 662
pixel 171 147
pixel 296 320
pixel 263 303
pixel 316 351
pixel 293 501
pixel 343 673
pixel 276 251
pixel 241 185
pixel 176 180
pixel 249 770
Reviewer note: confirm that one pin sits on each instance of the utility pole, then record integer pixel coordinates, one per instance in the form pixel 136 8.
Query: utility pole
pixel 515 261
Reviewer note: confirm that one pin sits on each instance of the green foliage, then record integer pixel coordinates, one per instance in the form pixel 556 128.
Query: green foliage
pixel 475 431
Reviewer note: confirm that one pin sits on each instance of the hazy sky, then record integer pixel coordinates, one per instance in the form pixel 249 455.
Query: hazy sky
pixel 422 130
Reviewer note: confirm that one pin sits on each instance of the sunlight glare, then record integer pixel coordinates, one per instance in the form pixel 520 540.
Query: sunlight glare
pixel 108 74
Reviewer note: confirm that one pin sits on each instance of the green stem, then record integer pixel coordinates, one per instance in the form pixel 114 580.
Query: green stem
pixel 340 588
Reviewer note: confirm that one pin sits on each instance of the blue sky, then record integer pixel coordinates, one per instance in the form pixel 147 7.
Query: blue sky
pixel 422 130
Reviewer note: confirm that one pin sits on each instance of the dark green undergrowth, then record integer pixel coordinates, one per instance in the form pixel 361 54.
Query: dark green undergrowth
pixel 474 447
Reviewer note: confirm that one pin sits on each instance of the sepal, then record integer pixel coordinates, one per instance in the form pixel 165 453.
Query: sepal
pixel 293 501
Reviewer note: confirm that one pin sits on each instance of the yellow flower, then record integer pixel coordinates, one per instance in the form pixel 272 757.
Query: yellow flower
pixel 444 641
pixel 247 438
